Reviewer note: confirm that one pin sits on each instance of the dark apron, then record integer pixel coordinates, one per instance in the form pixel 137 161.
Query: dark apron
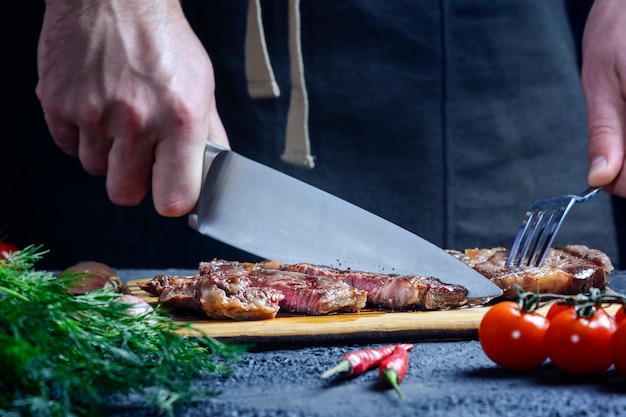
pixel 448 118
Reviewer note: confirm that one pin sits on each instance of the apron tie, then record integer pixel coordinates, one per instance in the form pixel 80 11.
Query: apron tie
pixel 262 83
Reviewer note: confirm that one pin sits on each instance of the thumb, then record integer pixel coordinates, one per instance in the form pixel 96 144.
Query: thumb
pixel 605 148
pixel 605 112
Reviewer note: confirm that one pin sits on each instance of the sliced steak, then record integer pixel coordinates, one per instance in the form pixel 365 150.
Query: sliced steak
pixel 312 295
pixel 235 298
pixel 246 291
pixel 180 294
pixel 219 296
pixel 302 293
pixel 157 284
pixel 567 270
pixel 392 291
pixel 174 292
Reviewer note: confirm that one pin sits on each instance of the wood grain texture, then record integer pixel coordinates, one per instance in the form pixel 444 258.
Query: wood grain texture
pixel 367 326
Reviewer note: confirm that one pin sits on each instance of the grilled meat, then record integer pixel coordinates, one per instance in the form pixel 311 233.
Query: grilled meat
pixel 392 291
pixel 235 298
pixel 219 296
pixel 313 295
pixel 245 291
pixel 566 270
pixel 302 293
pixel 252 291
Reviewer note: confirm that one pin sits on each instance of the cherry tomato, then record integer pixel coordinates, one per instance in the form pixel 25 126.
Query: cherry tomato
pixel 6 249
pixel 578 345
pixel 620 315
pixel 557 308
pixel 618 348
pixel 512 338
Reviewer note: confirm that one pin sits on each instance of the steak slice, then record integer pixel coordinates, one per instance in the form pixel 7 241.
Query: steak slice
pixel 394 292
pixel 174 292
pixel 160 282
pixel 181 294
pixel 302 293
pixel 234 298
pixel 229 295
pixel 567 270
pixel 225 290
pixel 309 294
pixel 247 291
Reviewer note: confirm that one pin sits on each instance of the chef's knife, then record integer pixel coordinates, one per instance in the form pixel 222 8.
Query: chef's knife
pixel 255 208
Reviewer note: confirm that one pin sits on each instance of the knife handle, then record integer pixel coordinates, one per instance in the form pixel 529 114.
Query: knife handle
pixel 211 151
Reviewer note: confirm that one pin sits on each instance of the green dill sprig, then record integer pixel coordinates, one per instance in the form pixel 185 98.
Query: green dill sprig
pixel 64 355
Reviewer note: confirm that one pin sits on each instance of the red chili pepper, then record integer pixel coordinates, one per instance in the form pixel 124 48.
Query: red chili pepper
pixel 393 369
pixel 355 363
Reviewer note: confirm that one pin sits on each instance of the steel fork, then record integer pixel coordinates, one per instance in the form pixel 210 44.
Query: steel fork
pixel 539 227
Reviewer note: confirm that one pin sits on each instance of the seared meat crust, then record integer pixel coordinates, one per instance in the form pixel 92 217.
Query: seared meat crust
pixel 235 298
pixel 567 270
pixel 393 292
pixel 253 291
pixel 245 291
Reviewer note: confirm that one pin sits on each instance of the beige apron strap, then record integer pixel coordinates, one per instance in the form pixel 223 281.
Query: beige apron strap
pixel 297 144
pixel 262 83
pixel 259 72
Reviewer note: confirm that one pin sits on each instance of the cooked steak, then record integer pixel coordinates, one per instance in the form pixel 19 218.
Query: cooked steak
pixel 246 291
pixel 250 291
pixel 179 294
pixel 302 293
pixel 160 282
pixel 392 291
pixel 566 270
pixel 235 298
pixel 218 295
pixel 312 295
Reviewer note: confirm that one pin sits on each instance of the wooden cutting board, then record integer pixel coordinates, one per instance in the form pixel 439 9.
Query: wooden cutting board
pixel 367 326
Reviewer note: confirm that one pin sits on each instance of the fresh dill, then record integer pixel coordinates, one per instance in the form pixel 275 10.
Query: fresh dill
pixel 65 355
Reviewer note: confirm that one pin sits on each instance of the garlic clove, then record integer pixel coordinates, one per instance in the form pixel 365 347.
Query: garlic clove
pixel 93 276
pixel 139 306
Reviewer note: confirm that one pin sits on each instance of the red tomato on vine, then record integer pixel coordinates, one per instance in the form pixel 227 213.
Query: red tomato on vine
pixel 580 345
pixel 620 315
pixel 618 348
pixel 6 249
pixel 512 338
pixel 557 308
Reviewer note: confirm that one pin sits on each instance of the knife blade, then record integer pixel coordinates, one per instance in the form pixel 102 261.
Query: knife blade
pixel 258 209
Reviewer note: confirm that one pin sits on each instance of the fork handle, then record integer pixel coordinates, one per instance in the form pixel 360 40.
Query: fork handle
pixel 588 193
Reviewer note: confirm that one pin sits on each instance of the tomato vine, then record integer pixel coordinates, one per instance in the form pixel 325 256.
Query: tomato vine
pixel 577 335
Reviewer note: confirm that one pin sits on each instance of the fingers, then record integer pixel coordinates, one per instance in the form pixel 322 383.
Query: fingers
pixel 64 132
pixel 93 152
pixel 604 85
pixel 126 148
pixel 606 113
pixel 128 173
pixel 177 176
pixel 178 166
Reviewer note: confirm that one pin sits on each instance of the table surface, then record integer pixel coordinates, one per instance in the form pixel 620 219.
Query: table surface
pixel 452 378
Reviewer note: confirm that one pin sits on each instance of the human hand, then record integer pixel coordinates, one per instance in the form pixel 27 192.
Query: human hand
pixel 127 87
pixel 604 85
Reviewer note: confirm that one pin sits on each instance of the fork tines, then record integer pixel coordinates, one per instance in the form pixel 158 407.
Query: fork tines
pixel 540 225
pixel 535 236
